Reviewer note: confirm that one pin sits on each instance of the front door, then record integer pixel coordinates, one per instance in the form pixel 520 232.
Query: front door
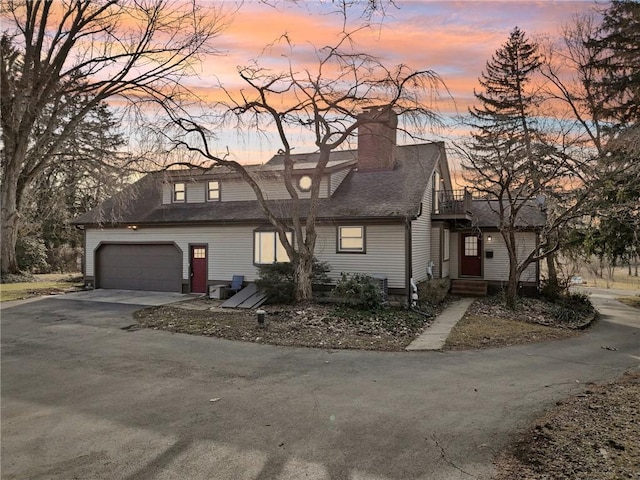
pixel 471 255
pixel 198 269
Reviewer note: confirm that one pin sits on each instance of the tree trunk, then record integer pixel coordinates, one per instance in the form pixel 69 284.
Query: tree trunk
pixel 553 286
pixel 302 278
pixel 9 226
pixel 512 288
pixel 514 273
pixel 552 271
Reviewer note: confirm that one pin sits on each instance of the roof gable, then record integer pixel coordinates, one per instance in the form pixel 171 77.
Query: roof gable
pixel 367 195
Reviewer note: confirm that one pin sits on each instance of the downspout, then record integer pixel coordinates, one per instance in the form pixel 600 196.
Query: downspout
pixel 538 234
pixel 408 262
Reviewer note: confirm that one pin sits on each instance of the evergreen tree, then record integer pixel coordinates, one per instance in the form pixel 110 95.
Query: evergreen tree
pixel 508 160
pixel 618 41
pixel 617 228
pixel 503 119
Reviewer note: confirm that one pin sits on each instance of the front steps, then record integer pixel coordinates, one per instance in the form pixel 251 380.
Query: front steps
pixel 469 288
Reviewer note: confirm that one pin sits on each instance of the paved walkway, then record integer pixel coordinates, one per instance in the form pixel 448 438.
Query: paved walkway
pixel 436 334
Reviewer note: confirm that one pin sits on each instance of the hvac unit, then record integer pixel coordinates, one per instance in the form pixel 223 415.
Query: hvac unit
pixel 217 292
pixel 384 285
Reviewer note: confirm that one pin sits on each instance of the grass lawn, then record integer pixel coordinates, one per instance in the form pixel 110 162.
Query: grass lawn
pixel 631 301
pixel 480 331
pixel 619 279
pixel 43 285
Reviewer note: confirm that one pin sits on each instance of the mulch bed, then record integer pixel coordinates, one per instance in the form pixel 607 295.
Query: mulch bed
pixel 318 326
pixel 487 324
pixel 593 435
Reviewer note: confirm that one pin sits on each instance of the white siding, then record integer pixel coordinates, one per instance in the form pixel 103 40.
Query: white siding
pixel 454 252
pixel 446 271
pixel 421 250
pixel 497 268
pixel 446 237
pixel 385 253
pixel 195 192
pixel 436 250
pixel 230 249
pixel 337 178
pixel 167 193
pixel 237 190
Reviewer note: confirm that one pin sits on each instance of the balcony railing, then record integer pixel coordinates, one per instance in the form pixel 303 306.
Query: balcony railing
pixel 452 202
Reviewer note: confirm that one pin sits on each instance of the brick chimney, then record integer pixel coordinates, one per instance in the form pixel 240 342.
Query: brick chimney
pixel 377 139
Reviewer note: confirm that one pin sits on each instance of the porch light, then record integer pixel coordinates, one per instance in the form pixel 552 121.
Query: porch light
pixel 488 238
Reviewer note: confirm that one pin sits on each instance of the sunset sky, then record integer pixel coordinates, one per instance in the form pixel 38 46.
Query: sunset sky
pixel 453 38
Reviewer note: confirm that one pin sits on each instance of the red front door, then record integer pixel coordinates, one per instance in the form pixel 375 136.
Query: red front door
pixel 470 255
pixel 199 269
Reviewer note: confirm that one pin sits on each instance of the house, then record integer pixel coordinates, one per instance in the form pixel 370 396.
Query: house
pixel 384 209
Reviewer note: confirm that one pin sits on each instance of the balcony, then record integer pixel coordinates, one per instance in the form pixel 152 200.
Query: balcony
pixel 452 205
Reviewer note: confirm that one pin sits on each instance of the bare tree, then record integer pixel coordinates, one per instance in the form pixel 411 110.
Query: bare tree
pixel 512 160
pixel 592 80
pixel 60 59
pixel 325 104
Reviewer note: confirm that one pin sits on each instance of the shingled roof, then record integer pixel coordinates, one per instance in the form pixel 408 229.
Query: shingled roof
pixel 396 193
pixel 486 214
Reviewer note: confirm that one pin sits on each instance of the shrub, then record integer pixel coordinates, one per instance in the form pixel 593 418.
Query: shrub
pixel 63 259
pixel 32 254
pixel 433 292
pixel 276 280
pixel 572 308
pixel 554 290
pixel 22 277
pixel 363 290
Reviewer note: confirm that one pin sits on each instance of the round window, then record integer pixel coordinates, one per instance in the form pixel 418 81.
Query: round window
pixel 304 183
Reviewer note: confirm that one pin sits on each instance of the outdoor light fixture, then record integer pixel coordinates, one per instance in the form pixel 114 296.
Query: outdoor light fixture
pixel 488 238
pixel 261 313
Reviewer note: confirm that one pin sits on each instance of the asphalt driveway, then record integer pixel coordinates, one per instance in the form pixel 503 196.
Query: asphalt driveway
pixel 82 398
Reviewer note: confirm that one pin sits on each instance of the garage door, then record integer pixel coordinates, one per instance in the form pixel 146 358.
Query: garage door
pixel 151 267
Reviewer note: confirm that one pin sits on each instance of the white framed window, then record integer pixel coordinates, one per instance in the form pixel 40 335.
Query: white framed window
pixel 436 192
pixel 267 248
pixel 351 239
pixel 446 240
pixel 179 192
pixel 470 246
pixel 213 190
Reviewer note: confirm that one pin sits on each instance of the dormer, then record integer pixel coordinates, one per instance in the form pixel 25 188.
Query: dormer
pixel 223 185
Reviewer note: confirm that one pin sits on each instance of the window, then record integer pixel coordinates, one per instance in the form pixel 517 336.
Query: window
pixel 351 239
pixel 213 190
pixel 470 246
pixel 446 238
pixel 436 192
pixel 199 252
pixel 179 192
pixel 268 248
